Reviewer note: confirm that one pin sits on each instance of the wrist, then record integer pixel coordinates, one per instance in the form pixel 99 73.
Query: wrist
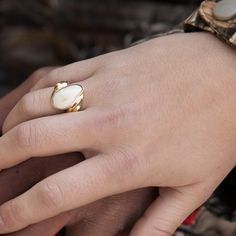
pixel 221 55
pixel 221 58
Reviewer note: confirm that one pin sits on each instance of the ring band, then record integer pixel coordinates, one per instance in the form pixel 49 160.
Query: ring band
pixel 67 97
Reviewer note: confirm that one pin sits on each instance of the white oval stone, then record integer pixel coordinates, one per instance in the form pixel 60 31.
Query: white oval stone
pixel 225 10
pixel 66 97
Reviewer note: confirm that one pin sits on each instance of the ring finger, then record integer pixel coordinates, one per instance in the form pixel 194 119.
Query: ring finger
pixel 37 104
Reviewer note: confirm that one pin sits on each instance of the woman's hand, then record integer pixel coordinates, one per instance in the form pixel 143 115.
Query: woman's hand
pixel 159 114
pixel 111 216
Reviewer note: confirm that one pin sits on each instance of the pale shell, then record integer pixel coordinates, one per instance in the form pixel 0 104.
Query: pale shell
pixel 65 98
pixel 225 10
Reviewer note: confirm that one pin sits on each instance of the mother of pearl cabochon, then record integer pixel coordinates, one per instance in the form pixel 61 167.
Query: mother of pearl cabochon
pixel 65 98
pixel 225 9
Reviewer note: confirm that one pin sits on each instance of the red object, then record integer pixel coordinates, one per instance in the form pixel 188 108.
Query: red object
pixel 190 220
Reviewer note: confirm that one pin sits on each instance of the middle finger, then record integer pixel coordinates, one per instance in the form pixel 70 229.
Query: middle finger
pixel 51 135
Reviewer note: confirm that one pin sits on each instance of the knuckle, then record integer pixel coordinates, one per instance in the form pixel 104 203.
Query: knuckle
pixel 117 165
pixel 111 118
pixel 26 104
pixel 161 231
pixel 158 226
pixel 48 77
pixel 107 124
pixel 50 195
pixel 124 160
pixel 12 215
pixel 53 76
pixel 26 135
pixel 111 60
pixel 39 74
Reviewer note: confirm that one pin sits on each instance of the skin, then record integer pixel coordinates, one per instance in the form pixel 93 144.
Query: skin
pixel 108 217
pixel 161 113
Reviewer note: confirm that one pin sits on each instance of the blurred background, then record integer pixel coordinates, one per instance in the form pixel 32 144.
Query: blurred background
pixel 40 33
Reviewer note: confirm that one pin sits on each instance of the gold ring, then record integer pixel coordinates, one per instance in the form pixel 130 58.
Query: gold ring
pixel 67 97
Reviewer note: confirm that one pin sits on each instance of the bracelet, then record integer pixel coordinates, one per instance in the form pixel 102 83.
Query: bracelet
pixel 217 17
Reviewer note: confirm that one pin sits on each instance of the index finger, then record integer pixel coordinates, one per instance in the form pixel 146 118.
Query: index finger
pixel 84 183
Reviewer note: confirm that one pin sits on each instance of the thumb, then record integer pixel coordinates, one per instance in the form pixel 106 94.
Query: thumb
pixel 168 212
